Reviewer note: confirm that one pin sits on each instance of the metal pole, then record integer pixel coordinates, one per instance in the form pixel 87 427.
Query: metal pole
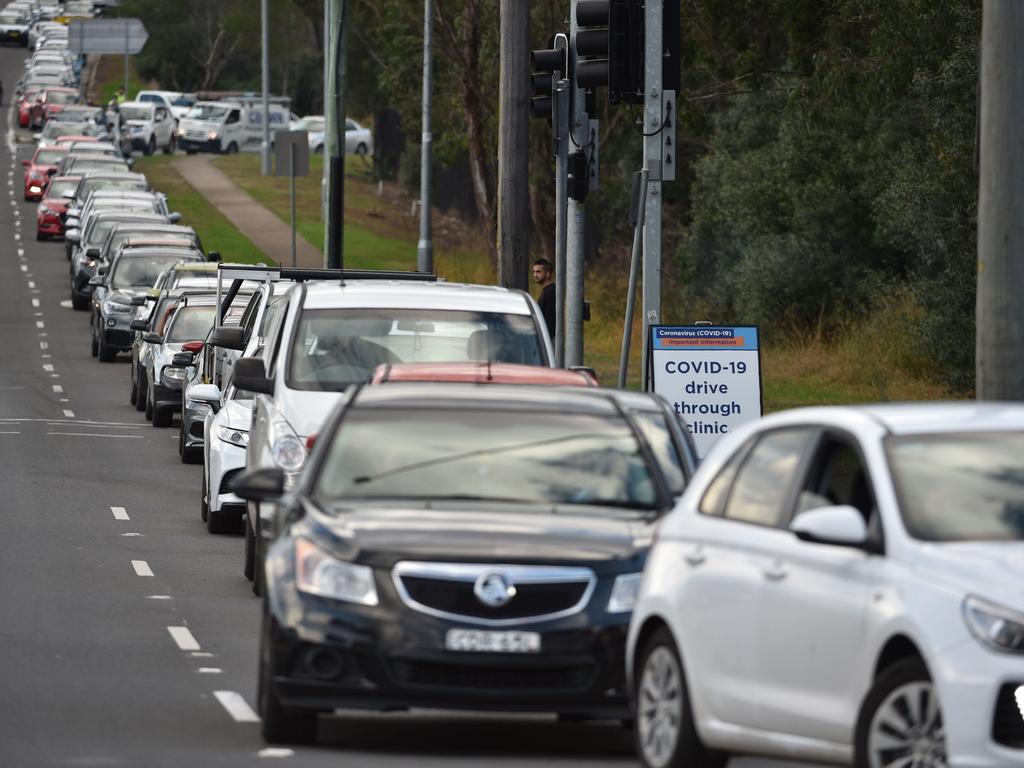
pixel 999 364
pixel 654 110
pixel 575 222
pixel 425 247
pixel 634 268
pixel 323 109
pixel 291 173
pixel 560 104
pixel 335 135
pixel 127 48
pixel 265 31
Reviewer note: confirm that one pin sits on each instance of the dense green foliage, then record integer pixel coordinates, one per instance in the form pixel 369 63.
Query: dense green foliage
pixel 828 145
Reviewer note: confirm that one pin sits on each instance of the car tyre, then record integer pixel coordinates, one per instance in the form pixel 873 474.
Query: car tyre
pixel 40 236
pixel 162 417
pixel 148 410
pixel 666 736
pixel 79 303
pixel 94 346
pixel 191 151
pixel 204 495
pixel 362 150
pixel 150 146
pixel 169 149
pixel 280 724
pixel 133 389
pixel 105 352
pixel 249 566
pixel 232 148
pixel 901 704
pixel 141 398
pixel 219 522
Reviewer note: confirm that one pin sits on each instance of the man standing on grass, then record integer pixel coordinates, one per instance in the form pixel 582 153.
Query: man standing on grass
pixel 543 275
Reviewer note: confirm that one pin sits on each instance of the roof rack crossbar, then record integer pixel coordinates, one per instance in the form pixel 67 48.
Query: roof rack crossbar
pixel 257 272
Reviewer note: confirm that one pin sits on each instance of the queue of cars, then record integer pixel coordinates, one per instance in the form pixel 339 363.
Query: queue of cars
pixel 435 516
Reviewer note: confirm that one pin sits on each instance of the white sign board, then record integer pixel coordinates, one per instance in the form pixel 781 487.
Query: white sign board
pixel 124 36
pixel 710 375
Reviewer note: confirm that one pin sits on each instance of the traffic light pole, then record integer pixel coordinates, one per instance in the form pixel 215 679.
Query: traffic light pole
pixel 265 86
pixel 425 247
pixel 334 149
pixel 653 127
pixel 560 107
pixel 579 134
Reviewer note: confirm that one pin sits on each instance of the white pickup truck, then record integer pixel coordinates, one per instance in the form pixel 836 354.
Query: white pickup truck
pixel 226 127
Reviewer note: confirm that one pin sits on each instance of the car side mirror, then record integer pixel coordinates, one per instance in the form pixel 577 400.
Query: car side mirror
pixel 26 163
pixel 264 484
pixel 101 270
pixel 51 171
pixel 138 301
pixel 92 253
pixel 97 280
pixel 206 393
pixel 213 256
pixel 139 324
pixel 228 338
pixel 586 370
pixel 182 359
pixel 840 526
pixel 174 217
pixel 73 236
pixel 250 373
pixel 37 136
pixel 152 338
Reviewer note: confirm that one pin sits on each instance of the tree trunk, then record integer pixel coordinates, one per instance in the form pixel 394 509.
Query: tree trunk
pixel 473 110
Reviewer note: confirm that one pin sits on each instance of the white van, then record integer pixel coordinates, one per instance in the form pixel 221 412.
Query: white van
pixel 228 126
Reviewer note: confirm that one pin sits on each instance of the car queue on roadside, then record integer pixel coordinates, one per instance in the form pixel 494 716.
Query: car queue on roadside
pixel 433 515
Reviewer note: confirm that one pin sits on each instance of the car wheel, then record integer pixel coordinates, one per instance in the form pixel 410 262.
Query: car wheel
pixel 900 721
pixel 362 150
pixel 162 417
pixel 150 147
pixel 133 390
pixel 80 303
pixel 169 149
pixel 280 724
pixel 318 149
pixel 232 148
pixel 105 352
pixel 191 151
pixel 94 346
pixel 141 399
pixel 149 405
pixel 249 566
pixel 666 736
pixel 218 521
pixel 40 236
pixel 204 504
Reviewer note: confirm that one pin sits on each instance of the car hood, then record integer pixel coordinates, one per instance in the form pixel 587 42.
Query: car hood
pixel 136 122
pixel 494 533
pixel 990 569
pixel 125 295
pixel 237 414
pixel 306 410
pixel 57 204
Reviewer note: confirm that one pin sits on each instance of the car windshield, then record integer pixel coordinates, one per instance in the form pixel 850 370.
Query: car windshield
pixel 61 97
pixel 98 233
pixel 501 455
pixel 207 112
pixel 84 164
pixel 183 101
pixel 140 271
pixel 334 348
pixel 136 113
pixel 960 487
pixel 49 156
pixel 60 188
pixel 88 185
pixel 190 324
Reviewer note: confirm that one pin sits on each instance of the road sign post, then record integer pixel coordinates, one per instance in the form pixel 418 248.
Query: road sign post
pixel 291 158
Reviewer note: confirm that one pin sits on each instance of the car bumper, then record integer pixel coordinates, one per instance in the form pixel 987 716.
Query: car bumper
pixel 198 146
pixel 34 191
pixel 339 655
pixel 166 396
pixel 979 711
pixel 117 331
pixel 139 142
pixel 194 425
pixel 50 225
pixel 226 462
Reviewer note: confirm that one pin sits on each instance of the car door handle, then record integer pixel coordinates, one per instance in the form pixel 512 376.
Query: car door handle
pixel 695 557
pixel 775 572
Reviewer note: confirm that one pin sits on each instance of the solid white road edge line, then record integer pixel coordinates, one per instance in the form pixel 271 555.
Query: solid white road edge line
pixel 183 638
pixel 142 568
pixel 92 434
pixel 236 706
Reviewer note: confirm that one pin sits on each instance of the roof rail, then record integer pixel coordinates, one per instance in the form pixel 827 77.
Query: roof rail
pixel 261 272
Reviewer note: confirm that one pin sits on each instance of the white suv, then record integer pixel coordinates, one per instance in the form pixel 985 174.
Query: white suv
pixel 150 126
pixel 841 583
pixel 333 335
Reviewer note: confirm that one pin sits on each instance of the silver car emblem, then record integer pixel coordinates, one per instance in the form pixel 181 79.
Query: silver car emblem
pixel 493 590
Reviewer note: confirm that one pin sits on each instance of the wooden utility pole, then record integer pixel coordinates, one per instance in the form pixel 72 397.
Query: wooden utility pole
pixel 513 145
pixel 1000 310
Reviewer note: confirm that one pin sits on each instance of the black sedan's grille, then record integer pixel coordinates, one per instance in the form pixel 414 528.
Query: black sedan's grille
pixel 492 678
pixel 227 479
pixel 457 597
pixel 1008 723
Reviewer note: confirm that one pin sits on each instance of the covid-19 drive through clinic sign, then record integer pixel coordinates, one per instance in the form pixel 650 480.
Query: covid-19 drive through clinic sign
pixel 710 375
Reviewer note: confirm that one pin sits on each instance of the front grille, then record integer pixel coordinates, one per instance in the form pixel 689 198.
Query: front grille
pixel 491 678
pixel 227 479
pixel 1008 723
pixel 120 339
pixel 197 429
pixel 457 597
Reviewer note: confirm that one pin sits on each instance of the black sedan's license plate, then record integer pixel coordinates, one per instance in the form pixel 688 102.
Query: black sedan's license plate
pixel 487 641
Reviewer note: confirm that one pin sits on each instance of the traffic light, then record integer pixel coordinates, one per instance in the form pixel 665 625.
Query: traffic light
pixel 545 63
pixel 610 48
pixel 577 176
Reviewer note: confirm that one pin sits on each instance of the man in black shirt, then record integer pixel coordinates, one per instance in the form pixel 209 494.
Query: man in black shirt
pixel 543 275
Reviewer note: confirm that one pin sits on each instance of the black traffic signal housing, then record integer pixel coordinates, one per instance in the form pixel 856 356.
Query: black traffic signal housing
pixel 577 176
pixel 610 48
pixel 545 62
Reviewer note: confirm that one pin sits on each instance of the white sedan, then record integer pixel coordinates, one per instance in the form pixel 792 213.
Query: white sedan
pixel 358 140
pixel 227 435
pixel 841 584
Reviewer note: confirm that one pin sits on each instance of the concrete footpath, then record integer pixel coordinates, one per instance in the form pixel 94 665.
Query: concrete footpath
pixel 257 222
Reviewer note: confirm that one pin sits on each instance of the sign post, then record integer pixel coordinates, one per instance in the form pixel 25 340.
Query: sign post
pixel 710 375
pixel 291 158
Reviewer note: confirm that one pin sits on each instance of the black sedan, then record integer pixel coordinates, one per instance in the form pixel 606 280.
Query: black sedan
pixel 458 547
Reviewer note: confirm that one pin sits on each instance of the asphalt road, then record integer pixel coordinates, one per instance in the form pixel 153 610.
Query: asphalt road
pixel 128 635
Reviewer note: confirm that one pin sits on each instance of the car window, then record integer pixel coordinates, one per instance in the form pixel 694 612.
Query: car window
pixel 190 324
pixel 762 487
pixel 656 432
pixel 713 501
pixel 837 476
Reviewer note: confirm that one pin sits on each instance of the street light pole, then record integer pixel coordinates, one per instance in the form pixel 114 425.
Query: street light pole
pixel 265 149
pixel 425 247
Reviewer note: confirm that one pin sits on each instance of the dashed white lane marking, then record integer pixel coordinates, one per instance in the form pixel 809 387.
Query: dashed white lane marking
pixel 35 302
pixel 276 752
pixel 201 655
pixel 142 568
pixel 44 345
pixel 68 414
pixel 17 236
pixel 24 268
pixel 131 534
pixel 10 433
pixel 48 367
pixel 31 284
pixel 209 670
pixel 21 251
pixel 40 324
pixel 119 513
pixel 158 597
pixel 93 434
pixel 236 706
pixel 64 400
pixel 56 387
pixel 66 304
pixel 185 640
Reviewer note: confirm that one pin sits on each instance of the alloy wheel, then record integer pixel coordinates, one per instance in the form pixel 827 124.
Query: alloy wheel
pixel 906 730
pixel 660 706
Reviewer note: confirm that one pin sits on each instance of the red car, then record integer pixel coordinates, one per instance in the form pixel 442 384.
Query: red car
pixel 53 207
pixel 48 103
pixel 484 373
pixel 28 98
pixel 39 169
